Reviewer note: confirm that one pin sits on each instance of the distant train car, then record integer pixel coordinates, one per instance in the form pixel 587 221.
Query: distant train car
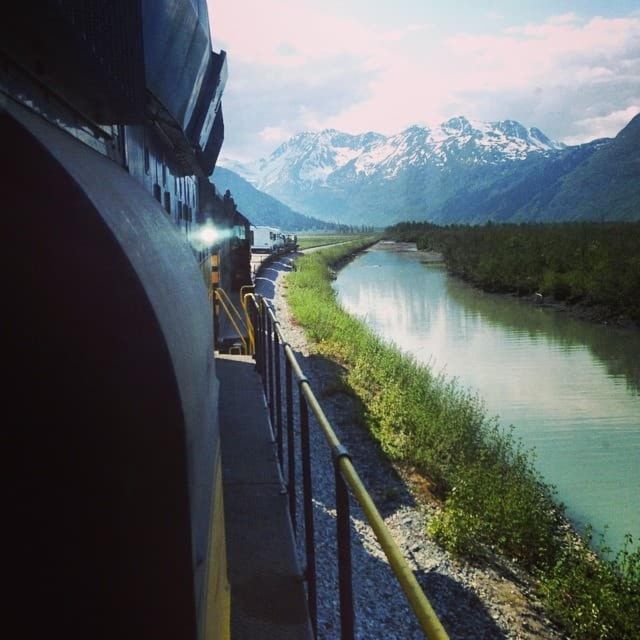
pixel 278 241
pixel 111 125
pixel 291 242
pixel 272 240
pixel 264 239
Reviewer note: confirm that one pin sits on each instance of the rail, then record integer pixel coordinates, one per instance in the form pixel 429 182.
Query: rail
pixel 244 290
pixel 270 346
pixel 235 318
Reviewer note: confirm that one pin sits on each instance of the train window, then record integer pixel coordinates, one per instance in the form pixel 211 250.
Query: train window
pixel 164 174
pixel 147 162
pixel 156 192
pixel 179 208
pixel 239 231
pixel 167 202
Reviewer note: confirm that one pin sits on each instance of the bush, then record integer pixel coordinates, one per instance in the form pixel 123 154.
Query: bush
pixel 500 502
pixel 595 599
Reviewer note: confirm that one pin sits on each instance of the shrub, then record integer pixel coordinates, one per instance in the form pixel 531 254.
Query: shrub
pixel 595 598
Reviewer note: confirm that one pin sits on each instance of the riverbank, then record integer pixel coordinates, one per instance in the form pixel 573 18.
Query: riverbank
pixel 590 270
pixel 386 385
pixel 487 598
pixel 424 256
pixel 598 314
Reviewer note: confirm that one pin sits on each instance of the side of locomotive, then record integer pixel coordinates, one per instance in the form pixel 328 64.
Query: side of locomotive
pixel 112 123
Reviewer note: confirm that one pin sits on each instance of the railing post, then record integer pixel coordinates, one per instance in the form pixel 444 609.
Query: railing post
pixel 278 394
pixel 270 368
pixel 263 348
pixel 345 476
pixel 291 457
pixel 308 510
pixel 257 335
pixel 343 534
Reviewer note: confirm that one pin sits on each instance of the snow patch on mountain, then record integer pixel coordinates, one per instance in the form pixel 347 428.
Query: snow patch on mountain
pixel 332 157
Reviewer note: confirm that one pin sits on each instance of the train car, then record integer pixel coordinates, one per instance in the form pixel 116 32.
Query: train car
pixel 290 242
pixel 111 126
pixel 278 241
pixel 263 239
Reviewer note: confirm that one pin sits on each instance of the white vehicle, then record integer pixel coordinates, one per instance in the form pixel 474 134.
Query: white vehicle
pixel 265 239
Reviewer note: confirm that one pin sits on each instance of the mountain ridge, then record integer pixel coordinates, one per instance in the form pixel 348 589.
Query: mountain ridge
pixel 461 170
pixel 262 209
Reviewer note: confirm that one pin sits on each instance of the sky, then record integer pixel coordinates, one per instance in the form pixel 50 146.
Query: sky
pixel 572 69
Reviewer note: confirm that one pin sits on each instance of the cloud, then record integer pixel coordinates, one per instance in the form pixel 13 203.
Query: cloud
pixel 407 31
pixel 565 18
pixel 294 66
pixel 275 134
pixel 606 126
pixel 261 104
pixel 544 53
pixel 562 75
pixel 257 31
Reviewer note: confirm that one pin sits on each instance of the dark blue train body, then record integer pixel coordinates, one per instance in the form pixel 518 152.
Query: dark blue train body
pixel 111 120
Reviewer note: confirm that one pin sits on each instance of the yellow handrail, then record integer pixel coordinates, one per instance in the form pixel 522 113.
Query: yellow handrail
pixel 421 606
pixel 221 295
pixel 248 323
pixel 229 302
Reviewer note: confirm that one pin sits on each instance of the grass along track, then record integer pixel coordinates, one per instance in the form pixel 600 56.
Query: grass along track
pixel 320 240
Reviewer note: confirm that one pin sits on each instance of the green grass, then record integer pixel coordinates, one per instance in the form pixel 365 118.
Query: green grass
pixel 319 240
pixel 493 497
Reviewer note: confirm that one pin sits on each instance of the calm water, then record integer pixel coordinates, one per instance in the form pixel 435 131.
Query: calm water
pixel 571 389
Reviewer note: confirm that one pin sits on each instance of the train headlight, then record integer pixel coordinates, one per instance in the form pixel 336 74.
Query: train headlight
pixel 209 235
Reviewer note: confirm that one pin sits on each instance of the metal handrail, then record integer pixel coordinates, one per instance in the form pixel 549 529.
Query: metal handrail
pixel 221 295
pixel 221 292
pixel 244 293
pixel 269 343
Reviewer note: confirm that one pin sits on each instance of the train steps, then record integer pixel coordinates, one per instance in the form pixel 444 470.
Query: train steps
pixel 268 598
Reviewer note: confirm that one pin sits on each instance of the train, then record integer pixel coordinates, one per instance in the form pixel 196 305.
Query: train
pixel 272 240
pixel 115 242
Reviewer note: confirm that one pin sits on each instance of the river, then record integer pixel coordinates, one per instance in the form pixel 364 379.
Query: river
pixel 570 388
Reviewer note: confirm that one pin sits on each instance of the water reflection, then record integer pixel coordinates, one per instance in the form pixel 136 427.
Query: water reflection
pixel 570 388
pixel 616 348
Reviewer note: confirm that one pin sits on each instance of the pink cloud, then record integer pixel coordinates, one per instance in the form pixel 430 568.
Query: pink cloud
pixel 416 74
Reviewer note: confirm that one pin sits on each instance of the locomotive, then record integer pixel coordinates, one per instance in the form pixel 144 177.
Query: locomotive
pixel 115 238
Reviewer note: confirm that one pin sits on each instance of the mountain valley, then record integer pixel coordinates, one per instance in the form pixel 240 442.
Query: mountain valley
pixel 462 171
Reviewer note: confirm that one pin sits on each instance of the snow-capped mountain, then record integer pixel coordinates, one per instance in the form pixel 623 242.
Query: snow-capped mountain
pixel 331 156
pixel 459 171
